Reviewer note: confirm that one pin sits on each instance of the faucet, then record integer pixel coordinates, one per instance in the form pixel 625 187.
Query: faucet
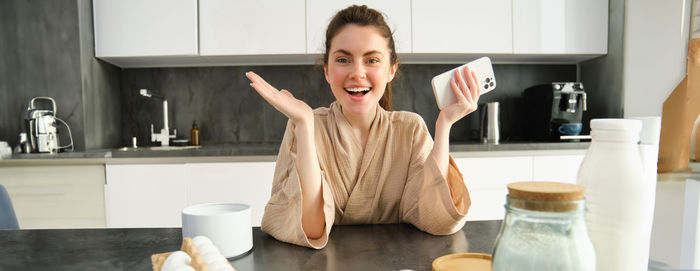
pixel 164 136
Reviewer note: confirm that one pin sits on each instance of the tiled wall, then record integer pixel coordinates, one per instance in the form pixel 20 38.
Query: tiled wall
pixel 228 110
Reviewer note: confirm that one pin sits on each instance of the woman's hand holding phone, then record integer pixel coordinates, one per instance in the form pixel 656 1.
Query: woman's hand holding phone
pixel 466 91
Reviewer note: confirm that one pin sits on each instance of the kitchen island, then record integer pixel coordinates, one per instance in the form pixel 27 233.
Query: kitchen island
pixel 351 247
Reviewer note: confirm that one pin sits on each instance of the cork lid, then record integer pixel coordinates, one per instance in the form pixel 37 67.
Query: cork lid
pixel 545 196
pixel 463 262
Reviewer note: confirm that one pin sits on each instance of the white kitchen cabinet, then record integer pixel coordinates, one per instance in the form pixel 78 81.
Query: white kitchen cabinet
pixel 174 33
pixel 145 195
pixel 487 177
pixel 138 28
pixel 462 26
pixel 320 12
pixel 244 182
pixel 251 27
pixel 559 168
pixel 56 196
pixel 153 195
pixel 560 26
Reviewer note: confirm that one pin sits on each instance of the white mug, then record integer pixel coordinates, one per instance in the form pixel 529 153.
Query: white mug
pixel 228 226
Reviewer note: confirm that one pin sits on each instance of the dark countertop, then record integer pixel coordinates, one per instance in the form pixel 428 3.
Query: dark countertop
pixel 355 247
pixel 272 150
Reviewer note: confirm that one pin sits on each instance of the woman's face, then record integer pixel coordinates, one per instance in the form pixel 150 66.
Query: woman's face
pixel 359 67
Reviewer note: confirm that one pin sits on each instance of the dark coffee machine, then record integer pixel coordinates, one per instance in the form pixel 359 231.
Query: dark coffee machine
pixel 553 110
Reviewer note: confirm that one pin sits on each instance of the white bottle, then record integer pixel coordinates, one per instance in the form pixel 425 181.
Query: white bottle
pixel 617 196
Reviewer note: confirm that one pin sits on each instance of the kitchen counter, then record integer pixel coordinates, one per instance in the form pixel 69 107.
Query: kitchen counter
pixel 255 152
pixel 351 247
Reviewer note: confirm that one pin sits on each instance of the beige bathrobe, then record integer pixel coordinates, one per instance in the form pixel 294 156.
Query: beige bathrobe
pixel 393 180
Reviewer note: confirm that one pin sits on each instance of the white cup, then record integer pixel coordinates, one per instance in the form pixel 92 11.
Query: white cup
pixel 227 225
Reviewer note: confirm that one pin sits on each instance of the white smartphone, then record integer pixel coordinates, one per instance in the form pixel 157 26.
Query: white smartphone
pixel 441 83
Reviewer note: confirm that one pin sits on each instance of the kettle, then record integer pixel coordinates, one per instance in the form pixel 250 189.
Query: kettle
pixel 490 124
pixel 41 127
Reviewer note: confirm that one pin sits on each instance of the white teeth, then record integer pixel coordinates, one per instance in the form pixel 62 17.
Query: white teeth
pixel 357 89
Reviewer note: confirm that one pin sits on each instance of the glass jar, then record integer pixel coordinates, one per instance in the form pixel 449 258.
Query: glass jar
pixel 544 229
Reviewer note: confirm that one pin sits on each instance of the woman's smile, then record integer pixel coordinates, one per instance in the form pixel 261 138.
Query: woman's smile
pixel 357 94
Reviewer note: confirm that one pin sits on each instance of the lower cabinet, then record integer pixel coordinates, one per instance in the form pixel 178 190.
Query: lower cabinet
pixel 145 195
pixel 556 168
pixel 56 196
pixel 153 195
pixel 246 182
pixel 487 178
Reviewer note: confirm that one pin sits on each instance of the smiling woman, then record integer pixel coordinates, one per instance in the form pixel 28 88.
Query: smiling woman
pixel 357 162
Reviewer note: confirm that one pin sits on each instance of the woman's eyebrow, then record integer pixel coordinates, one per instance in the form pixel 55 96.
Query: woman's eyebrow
pixel 341 51
pixel 373 52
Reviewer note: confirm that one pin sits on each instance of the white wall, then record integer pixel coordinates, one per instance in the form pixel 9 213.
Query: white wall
pixel 655 51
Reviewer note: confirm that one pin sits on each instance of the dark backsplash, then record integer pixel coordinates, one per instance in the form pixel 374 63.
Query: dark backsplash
pixel 47 51
pixel 229 111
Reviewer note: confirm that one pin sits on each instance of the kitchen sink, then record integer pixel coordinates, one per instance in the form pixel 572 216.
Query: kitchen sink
pixel 160 148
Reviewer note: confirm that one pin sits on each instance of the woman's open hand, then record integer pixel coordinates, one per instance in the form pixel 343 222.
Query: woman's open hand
pixel 295 109
pixel 467 91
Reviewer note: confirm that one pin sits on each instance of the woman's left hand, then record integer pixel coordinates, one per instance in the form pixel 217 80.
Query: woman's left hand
pixel 467 90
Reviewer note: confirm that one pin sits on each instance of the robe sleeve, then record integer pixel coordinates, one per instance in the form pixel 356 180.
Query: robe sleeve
pixel 282 217
pixel 430 202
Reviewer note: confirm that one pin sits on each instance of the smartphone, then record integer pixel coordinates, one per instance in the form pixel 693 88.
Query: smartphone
pixel 441 83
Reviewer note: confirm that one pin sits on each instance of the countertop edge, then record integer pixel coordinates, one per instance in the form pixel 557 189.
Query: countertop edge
pixel 249 158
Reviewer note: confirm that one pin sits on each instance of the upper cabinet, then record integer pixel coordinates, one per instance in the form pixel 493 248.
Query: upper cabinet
pixel 560 27
pixel 162 33
pixel 320 12
pixel 262 27
pixel 462 26
pixel 133 28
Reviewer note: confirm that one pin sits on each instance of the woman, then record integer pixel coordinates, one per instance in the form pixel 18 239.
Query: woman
pixel 355 162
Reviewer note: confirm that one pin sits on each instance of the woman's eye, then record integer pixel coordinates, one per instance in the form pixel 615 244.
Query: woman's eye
pixel 373 60
pixel 342 60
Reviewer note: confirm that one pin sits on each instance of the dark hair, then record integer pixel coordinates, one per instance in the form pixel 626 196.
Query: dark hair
pixel 363 16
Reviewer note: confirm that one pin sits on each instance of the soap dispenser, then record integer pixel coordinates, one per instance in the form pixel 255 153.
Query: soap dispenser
pixel 194 134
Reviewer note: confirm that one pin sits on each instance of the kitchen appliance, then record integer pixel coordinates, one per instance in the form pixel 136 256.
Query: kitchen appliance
pixel 548 106
pixel 490 132
pixel 42 128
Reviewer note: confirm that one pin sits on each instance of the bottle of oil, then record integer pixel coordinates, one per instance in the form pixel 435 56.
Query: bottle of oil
pixel 194 134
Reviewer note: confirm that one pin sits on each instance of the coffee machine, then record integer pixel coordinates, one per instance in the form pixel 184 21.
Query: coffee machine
pixel 42 128
pixel 549 106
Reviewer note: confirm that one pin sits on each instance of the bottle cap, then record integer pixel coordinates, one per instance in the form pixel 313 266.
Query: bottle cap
pixel 546 196
pixel 617 124
pixel 616 129
pixel 546 191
